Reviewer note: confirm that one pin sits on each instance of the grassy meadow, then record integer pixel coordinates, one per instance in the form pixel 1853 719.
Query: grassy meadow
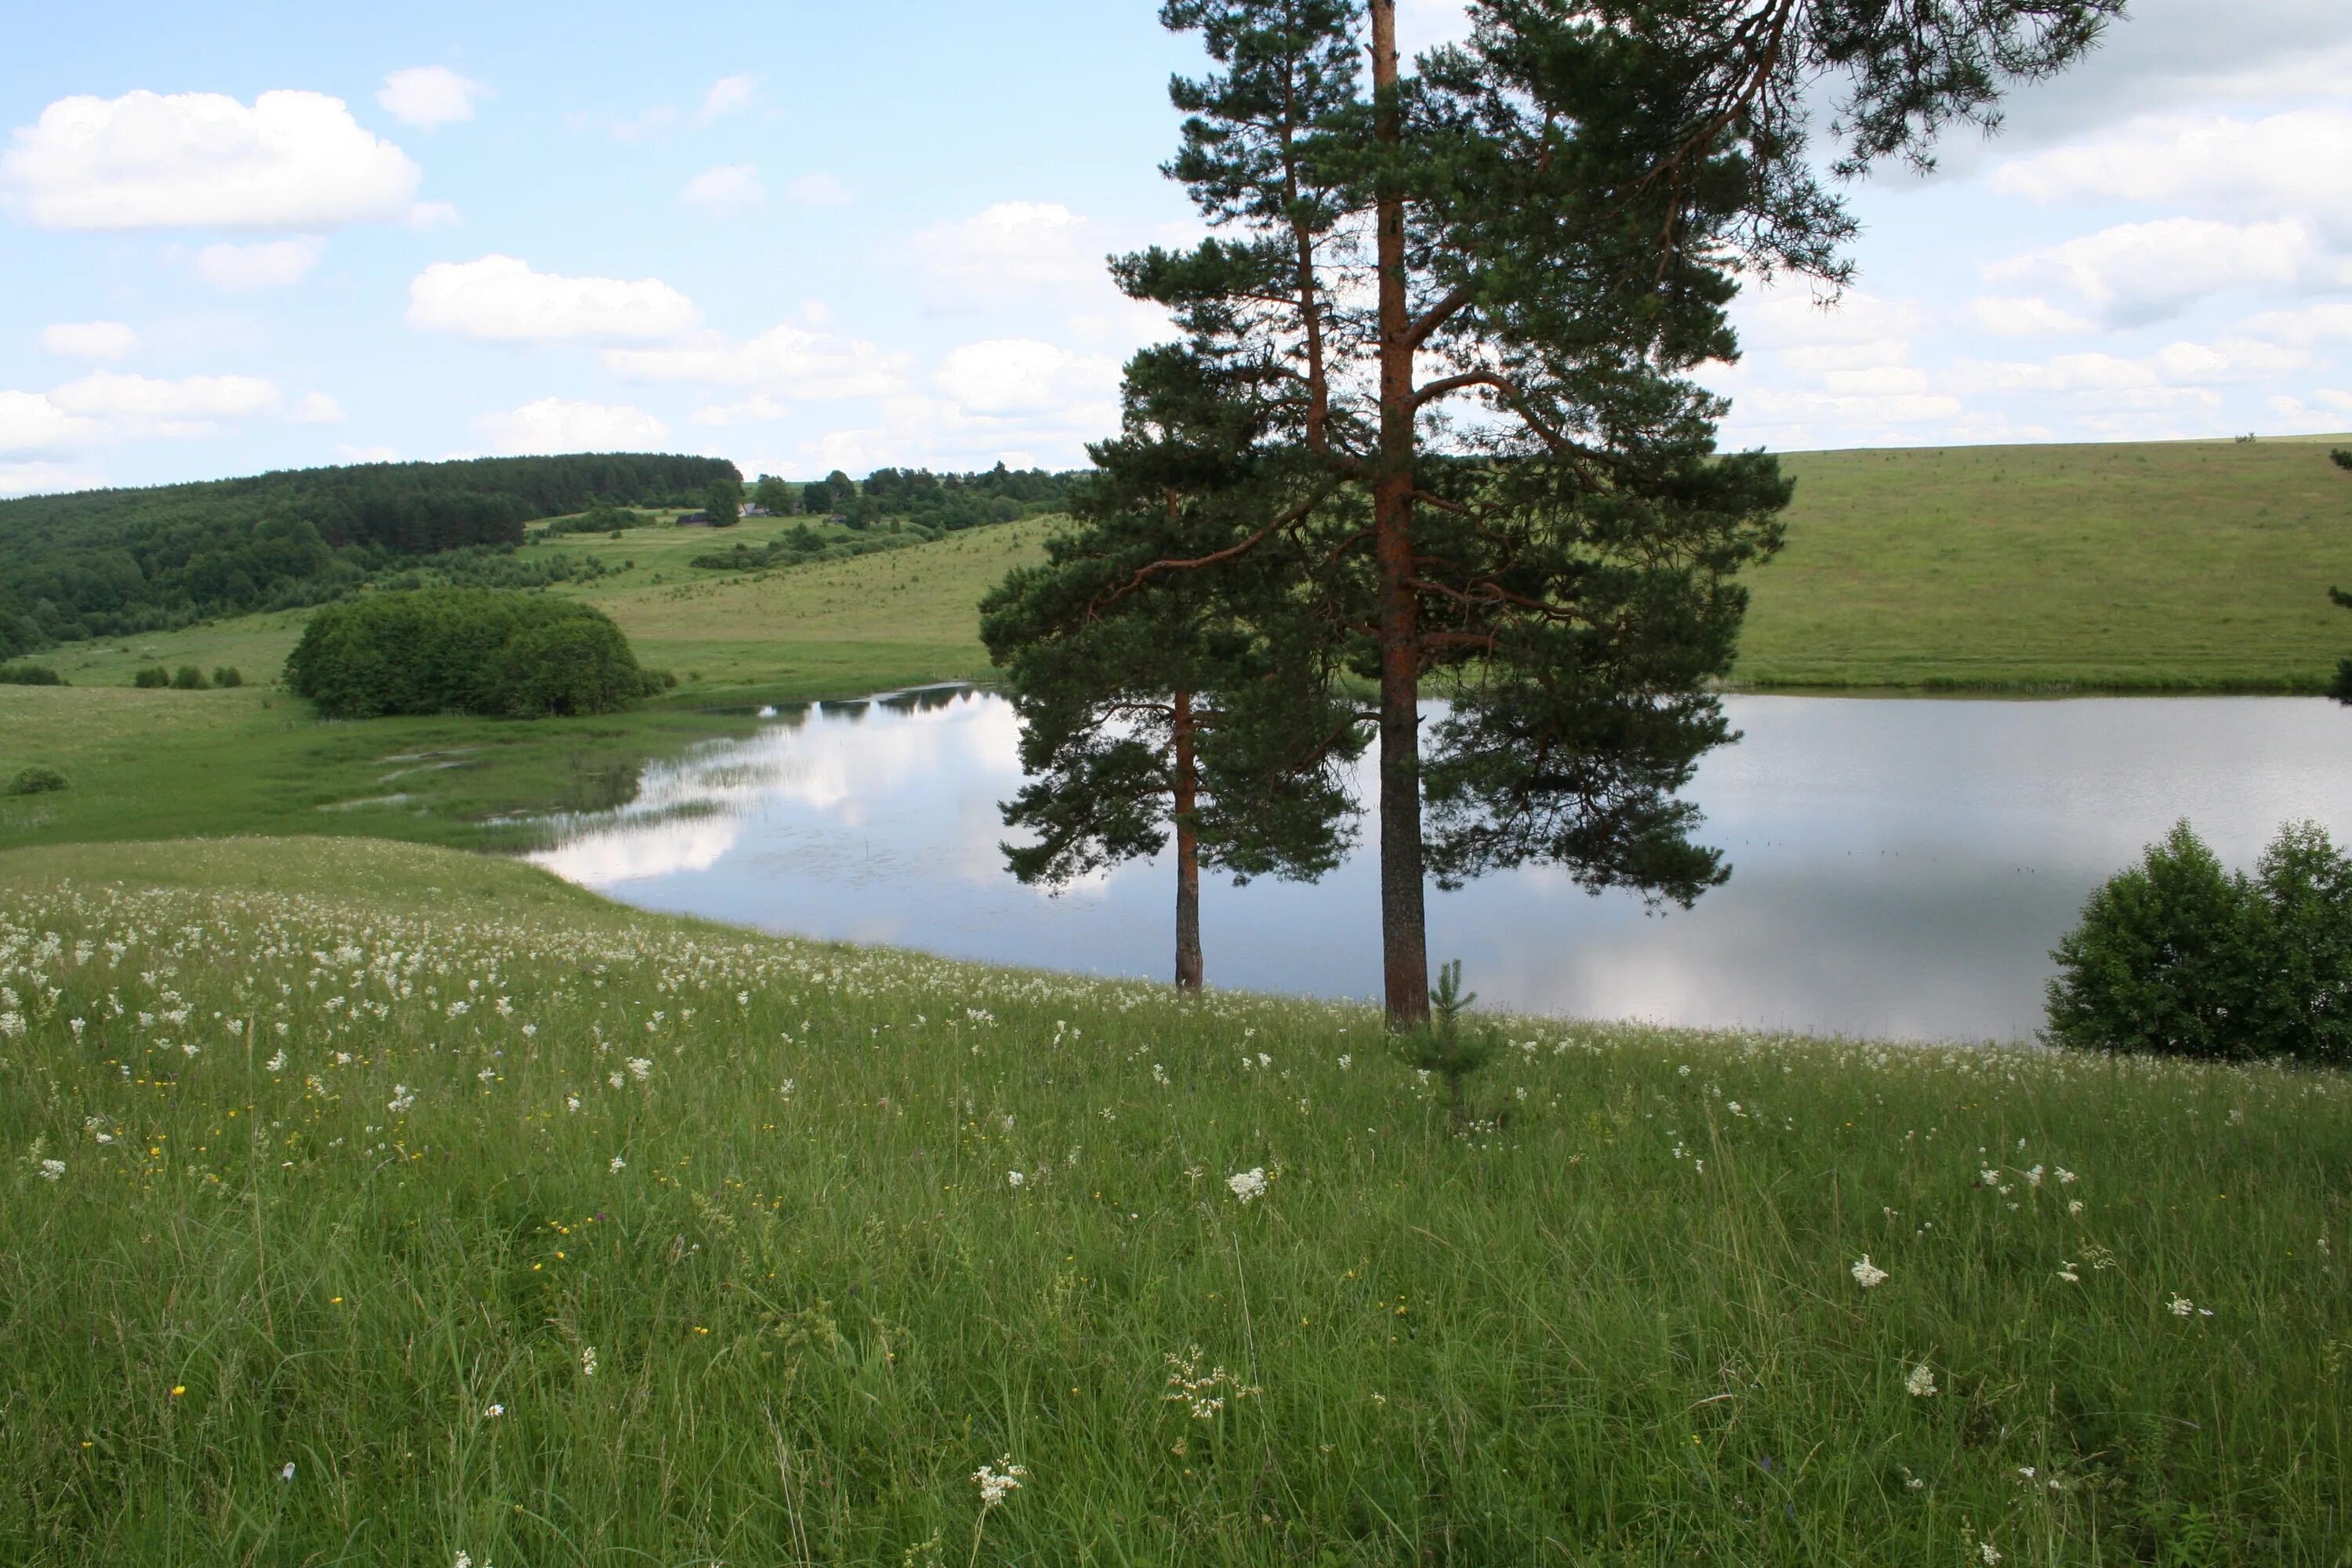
pixel 374 1202
pixel 2183 566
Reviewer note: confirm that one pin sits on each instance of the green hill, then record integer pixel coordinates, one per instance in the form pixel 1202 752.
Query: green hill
pixel 2175 565
pixel 116 562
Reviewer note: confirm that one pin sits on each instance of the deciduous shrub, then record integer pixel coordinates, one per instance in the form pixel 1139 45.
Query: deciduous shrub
pixel 29 675
pixel 190 679
pixel 38 779
pixel 227 675
pixel 153 677
pixel 463 650
pixel 2179 957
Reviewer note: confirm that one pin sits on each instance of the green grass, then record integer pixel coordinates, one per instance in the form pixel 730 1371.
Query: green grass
pixel 1613 1322
pixel 150 764
pixel 2191 566
pixel 2180 566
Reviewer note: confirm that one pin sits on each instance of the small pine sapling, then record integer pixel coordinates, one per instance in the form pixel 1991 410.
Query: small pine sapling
pixel 1443 1045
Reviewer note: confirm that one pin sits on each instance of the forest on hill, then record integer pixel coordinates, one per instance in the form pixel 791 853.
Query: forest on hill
pixel 116 562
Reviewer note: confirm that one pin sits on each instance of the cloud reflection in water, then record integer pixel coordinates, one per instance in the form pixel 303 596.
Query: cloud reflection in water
pixel 1900 868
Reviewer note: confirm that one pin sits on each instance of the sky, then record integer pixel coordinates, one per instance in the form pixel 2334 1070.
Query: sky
pixel 804 236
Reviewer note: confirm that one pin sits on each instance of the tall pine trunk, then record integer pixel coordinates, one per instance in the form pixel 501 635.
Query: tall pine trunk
pixel 1188 851
pixel 1405 935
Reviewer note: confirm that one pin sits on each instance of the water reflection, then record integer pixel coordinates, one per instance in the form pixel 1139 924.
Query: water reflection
pixel 1900 868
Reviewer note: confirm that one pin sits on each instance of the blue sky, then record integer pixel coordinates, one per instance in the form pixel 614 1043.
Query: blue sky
pixel 809 236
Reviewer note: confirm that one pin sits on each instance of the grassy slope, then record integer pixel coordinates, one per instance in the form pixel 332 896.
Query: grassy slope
pixel 2183 564
pixel 158 763
pixel 1619 1327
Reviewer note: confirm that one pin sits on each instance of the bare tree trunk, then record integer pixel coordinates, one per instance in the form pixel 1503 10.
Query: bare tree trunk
pixel 1404 936
pixel 1188 851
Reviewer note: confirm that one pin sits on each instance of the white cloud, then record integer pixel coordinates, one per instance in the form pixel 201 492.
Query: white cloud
pixel 2135 273
pixel 562 425
pixel 143 405
pixel 268 264
pixel 1005 250
pixel 344 452
pixel 818 190
pixel 30 422
pixel 727 95
pixel 1022 376
pixel 45 478
pixel 315 408
pixel 291 160
pixel 89 339
pixel 428 97
pixel 2311 324
pixel 729 189
pixel 2014 316
pixel 795 362
pixel 501 299
pixel 2288 164
pixel 2230 359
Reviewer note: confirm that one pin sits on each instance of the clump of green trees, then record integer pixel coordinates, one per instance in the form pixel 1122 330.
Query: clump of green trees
pixel 458 650
pixel 29 675
pixel 2177 956
pixel 119 561
pixel 37 779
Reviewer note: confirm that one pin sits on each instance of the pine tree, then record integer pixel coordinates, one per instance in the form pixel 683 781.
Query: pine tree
pixel 1477 295
pixel 1151 706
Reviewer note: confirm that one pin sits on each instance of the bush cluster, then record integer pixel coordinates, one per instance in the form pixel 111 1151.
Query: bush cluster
pixel 38 779
pixel 2179 957
pixel 29 675
pixel 465 650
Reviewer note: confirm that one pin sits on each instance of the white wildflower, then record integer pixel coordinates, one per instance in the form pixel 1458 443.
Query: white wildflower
pixel 2033 1176
pixel 401 1101
pixel 1989 1553
pixel 1990 1178
pixel 588 1361
pixel 1868 1275
pixel 1921 1383
pixel 640 1069
pixel 2181 1307
pixel 2065 1177
pixel 2074 1205
pixel 495 1411
pixel 618 1164
pixel 2066 1272
pixel 53 1170
pixel 572 1103
pixel 1347 1060
pixel 1013 1178
pixel 995 1486
pixel 617 1080
pixel 275 1063
pixel 288 1473
pixel 1247 1184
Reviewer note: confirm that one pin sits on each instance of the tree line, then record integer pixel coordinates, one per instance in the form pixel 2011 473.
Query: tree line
pixel 941 502
pixel 1430 427
pixel 119 561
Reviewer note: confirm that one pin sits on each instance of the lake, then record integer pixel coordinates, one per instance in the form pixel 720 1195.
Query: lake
pixel 1900 868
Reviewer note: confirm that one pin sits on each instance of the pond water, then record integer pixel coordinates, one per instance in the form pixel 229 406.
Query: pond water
pixel 1900 868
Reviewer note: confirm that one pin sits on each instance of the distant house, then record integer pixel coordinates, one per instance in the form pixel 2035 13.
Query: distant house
pixel 695 520
pixel 753 508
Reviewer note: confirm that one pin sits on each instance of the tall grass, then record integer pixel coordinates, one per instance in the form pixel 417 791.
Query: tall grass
pixel 528 1231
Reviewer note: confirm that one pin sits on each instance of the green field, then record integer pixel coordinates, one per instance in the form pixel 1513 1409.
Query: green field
pixel 2185 566
pixel 2176 566
pixel 373 1203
